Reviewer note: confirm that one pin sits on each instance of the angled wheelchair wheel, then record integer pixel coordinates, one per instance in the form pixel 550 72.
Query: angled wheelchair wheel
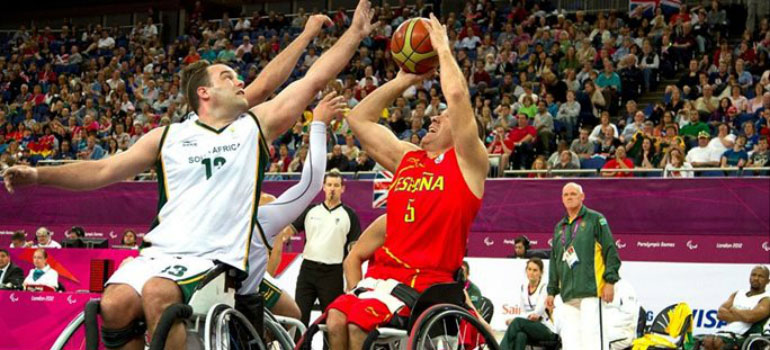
pixel 757 343
pixel 449 327
pixel 228 329
pixel 65 336
pixel 276 337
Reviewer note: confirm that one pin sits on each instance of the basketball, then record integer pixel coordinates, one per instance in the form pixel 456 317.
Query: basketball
pixel 411 47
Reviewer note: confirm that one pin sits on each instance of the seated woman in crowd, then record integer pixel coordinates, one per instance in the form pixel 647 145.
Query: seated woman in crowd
pixel 42 277
pixel 534 323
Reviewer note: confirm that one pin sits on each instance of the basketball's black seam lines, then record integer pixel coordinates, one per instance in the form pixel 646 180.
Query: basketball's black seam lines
pixel 414 48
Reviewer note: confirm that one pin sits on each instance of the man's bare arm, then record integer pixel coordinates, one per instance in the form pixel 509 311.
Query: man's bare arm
pixel 280 113
pixel 278 70
pixel 372 238
pixel 90 175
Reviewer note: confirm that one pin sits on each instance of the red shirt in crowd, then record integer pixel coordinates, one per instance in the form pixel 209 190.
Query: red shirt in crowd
pixel 613 164
pixel 518 133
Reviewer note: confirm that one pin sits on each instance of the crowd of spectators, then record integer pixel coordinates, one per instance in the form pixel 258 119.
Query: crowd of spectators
pixel 550 89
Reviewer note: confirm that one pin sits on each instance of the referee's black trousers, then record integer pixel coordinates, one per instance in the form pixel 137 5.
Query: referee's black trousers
pixel 317 281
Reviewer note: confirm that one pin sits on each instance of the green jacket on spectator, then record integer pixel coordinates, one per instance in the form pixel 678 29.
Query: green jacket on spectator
pixel 595 248
pixel 692 130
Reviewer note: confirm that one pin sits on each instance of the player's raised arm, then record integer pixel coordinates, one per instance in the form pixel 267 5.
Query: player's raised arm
pixel 377 140
pixel 89 175
pixel 471 154
pixel 278 70
pixel 280 113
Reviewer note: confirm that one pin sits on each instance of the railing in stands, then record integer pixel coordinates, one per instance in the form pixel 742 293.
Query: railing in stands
pixel 370 175
pixel 656 172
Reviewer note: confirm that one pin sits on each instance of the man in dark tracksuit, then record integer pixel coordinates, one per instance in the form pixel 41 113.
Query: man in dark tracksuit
pixel 583 268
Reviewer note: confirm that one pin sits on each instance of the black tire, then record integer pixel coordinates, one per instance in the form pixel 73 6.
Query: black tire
pixel 762 343
pixel 229 329
pixel 275 333
pixel 442 324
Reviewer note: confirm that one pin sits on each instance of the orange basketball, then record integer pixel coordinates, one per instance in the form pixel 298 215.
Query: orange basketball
pixel 411 48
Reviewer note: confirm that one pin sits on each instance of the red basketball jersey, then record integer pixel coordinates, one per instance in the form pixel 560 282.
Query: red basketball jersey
pixel 430 211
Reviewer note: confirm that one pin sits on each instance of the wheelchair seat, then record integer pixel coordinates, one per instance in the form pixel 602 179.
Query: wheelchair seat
pixel 218 286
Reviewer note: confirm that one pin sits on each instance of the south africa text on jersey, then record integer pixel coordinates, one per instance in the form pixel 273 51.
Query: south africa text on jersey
pixel 425 183
pixel 215 150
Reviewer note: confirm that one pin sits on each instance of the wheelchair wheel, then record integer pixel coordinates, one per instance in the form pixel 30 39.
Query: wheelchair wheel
pixel 64 338
pixel 756 343
pixel 446 326
pixel 276 337
pixel 228 329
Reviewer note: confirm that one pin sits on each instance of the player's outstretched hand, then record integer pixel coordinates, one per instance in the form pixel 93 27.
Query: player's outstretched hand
pixel 438 35
pixel 316 23
pixel 20 175
pixel 362 18
pixel 329 107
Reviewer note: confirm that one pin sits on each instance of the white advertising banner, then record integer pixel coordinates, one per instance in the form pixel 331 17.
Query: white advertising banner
pixel 658 284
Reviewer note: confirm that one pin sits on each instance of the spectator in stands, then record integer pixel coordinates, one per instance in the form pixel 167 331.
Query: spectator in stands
pixel 708 103
pixel 723 141
pixel 129 239
pixel 543 123
pixel 337 160
pixel 44 239
pixel 541 165
pixel 608 143
pixel 471 289
pixel 521 139
pixel 737 156
pixel 416 129
pixel 18 240
pixel 596 133
pixel 363 162
pixel 760 157
pixel 702 156
pixel 567 161
pixel 694 128
pixel 647 157
pixel 620 162
pixel 675 164
pixel 752 139
pixel 608 78
pixel 349 149
pixel 583 146
pixel 568 114
pixel 556 156
pixel 42 277
pixel 741 310
pixel 11 275
pixel 633 128
pixel 499 145
pixel 534 324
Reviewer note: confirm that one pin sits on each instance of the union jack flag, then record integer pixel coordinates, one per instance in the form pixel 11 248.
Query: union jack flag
pixel 381 184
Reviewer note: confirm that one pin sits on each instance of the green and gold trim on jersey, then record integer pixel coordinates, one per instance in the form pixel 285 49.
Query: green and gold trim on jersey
pixel 198 122
pixel 262 162
pixel 160 169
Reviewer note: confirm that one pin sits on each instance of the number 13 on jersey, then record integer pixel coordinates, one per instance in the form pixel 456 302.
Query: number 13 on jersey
pixel 409 217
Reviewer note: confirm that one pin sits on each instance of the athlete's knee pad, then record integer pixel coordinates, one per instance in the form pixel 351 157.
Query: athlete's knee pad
pixel 116 338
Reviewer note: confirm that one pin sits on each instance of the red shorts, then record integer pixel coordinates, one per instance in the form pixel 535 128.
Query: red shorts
pixel 365 313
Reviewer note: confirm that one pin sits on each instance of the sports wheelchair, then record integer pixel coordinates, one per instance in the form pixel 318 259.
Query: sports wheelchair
pixel 211 320
pixel 438 320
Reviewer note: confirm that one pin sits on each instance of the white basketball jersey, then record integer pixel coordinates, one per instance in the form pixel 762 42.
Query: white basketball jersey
pixel 209 183
pixel 743 302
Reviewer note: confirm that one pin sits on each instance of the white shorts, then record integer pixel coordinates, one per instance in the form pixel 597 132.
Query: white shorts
pixel 185 271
